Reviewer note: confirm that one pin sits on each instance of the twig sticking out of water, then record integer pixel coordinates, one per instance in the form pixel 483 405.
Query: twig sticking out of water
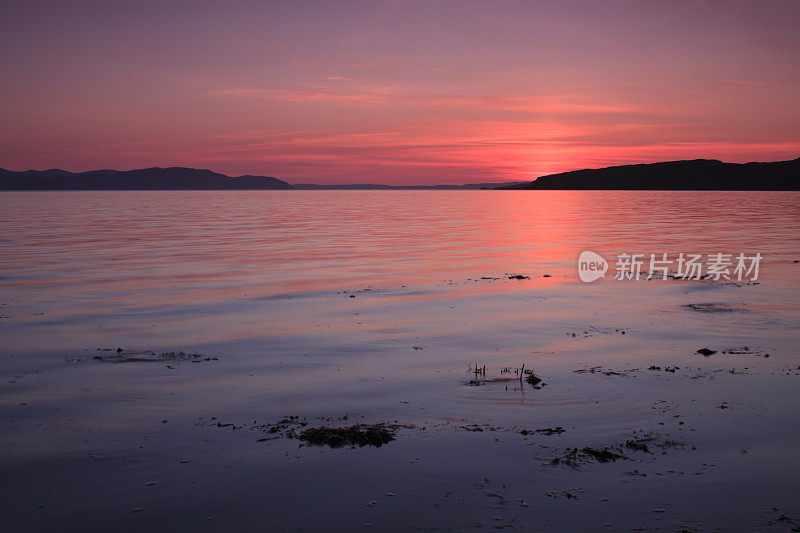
pixel 479 371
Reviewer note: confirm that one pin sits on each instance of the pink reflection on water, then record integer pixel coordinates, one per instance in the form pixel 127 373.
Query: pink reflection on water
pixel 192 255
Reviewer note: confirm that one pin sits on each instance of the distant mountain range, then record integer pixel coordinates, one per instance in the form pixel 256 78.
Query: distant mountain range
pixel 177 178
pixel 697 174
pixel 145 179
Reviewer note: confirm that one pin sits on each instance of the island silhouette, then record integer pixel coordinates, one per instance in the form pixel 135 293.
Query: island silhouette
pixel 144 179
pixel 696 174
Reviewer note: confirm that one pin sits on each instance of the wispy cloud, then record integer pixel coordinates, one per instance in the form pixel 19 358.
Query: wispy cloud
pixel 450 152
pixel 354 92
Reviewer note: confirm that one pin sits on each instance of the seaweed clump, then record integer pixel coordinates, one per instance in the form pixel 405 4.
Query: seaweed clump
pixel 533 379
pixel 575 458
pixel 358 435
pixel 545 431
pixel 637 445
pixel 605 455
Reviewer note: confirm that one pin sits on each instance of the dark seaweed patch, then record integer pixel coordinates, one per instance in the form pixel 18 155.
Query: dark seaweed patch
pixel 357 435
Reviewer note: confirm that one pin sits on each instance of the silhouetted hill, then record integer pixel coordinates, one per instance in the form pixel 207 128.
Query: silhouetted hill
pixel 698 174
pixel 314 186
pixel 152 179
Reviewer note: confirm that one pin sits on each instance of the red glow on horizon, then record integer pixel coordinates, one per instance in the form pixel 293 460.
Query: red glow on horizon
pixel 401 93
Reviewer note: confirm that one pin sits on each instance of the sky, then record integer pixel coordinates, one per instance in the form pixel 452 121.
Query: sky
pixel 396 92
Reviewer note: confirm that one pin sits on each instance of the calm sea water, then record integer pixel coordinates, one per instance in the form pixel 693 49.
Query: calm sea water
pixel 373 305
pixel 125 260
